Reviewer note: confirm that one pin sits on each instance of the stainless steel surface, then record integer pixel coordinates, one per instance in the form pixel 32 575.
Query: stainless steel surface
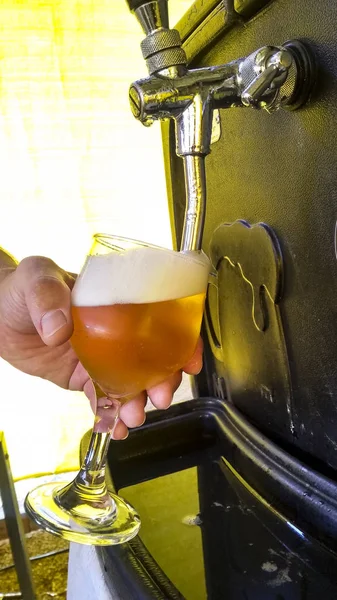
pixel 162 47
pixel 152 16
pixel 216 127
pixel 266 79
pixel 165 59
pixel 194 127
pixel 195 184
pixel 163 97
pixel 174 71
pixel 159 39
pixel 271 68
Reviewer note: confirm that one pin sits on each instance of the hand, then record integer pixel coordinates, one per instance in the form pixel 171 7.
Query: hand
pixel 132 414
pixel 35 327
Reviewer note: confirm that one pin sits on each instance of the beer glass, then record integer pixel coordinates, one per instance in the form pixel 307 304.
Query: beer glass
pixel 137 312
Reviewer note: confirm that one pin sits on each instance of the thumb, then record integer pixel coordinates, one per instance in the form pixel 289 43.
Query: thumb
pixel 43 291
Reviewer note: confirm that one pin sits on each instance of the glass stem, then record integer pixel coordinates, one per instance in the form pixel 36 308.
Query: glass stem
pixel 92 472
pixel 89 486
pixel 93 466
pixel 89 483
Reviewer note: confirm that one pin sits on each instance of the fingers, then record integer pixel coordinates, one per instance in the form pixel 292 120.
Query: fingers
pixel 161 395
pixel 45 288
pixel 88 389
pixel 118 429
pixel 133 412
pixel 194 365
pixel 120 432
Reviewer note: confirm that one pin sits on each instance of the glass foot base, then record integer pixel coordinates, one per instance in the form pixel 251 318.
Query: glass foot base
pixel 41 506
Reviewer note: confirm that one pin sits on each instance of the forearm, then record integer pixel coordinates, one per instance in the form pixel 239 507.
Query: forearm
pixel 7 264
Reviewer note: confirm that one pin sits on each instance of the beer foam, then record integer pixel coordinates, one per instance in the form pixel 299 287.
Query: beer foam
pixel 140 275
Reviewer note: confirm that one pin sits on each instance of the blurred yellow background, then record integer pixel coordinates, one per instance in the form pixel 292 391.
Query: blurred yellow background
pixel 73 161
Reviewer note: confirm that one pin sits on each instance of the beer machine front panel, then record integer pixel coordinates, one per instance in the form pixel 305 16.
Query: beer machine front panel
pixel 246 93
pixel 277 170
pixel 271 85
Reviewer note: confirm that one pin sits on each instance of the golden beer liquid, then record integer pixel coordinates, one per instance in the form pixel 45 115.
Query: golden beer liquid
pixel 127 348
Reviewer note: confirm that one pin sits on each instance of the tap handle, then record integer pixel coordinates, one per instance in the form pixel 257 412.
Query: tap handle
pixel 271 77
pixel 161 48
pixel 134 4
pixel 151 14
pixel 254 92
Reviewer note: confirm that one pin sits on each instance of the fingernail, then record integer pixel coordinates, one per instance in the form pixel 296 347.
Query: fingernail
pixel 52 321
pixel 118 439
pixel 112 433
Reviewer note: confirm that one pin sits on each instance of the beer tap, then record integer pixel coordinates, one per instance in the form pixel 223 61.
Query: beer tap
pixel 270 78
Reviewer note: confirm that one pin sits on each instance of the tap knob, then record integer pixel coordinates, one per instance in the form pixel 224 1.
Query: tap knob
pixel 271 68
pixel 161 47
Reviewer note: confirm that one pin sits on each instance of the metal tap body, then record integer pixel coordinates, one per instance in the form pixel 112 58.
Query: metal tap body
pixel 267 79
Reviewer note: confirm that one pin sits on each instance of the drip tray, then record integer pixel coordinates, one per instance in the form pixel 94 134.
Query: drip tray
pixel 226 514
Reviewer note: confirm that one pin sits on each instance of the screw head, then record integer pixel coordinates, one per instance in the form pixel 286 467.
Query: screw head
pixel 135 102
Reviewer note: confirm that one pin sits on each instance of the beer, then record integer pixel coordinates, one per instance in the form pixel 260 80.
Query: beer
pixel 137 316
